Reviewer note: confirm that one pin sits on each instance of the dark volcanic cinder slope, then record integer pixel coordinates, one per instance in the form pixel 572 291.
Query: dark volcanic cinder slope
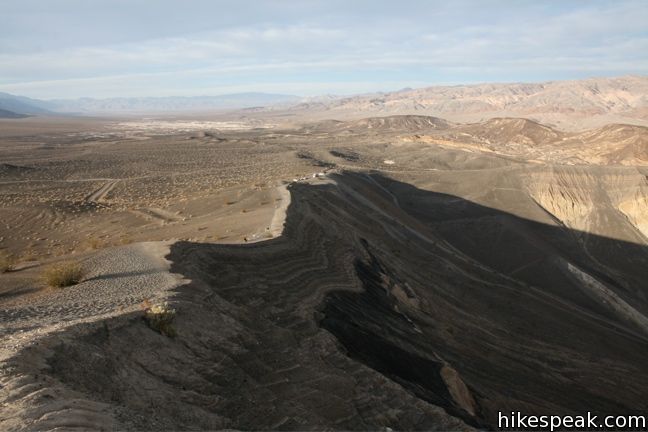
pixel 250 353
pixel 515 336
pixel 375 308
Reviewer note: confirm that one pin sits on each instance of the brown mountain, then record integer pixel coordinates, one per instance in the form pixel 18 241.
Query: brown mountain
pixel 395 123
pixel 616 144
pixel 613 144
pixel 572 105
pixel 513 130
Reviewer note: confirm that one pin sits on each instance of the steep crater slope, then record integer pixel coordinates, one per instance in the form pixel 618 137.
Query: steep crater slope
pixel 381 305
pixel 607 201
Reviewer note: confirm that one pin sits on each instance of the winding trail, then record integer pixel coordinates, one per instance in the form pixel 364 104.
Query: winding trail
pixel 279 216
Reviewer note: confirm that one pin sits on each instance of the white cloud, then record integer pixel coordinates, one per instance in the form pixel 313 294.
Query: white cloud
pixel 409 43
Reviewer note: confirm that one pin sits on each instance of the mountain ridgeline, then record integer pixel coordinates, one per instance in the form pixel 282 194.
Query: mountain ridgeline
pixel 570 105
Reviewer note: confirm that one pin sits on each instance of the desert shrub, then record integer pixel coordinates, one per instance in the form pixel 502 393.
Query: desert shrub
pixel 7 262
pixel 94 243
pixel 160 318
pixel 63 274
pixel 29 255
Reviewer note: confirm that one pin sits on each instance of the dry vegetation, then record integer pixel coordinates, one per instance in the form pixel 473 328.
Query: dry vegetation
pixel 159 317
pixel 63 193
pixel 63 274
pixel 7 262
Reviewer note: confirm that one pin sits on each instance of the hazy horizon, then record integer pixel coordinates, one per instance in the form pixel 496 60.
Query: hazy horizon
pixel 316 95
pixel 71 49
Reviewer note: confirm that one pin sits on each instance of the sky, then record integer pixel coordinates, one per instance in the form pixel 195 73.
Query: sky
pixel 133 48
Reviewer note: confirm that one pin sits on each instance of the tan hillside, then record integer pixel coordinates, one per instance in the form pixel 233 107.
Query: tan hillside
pixel 573 105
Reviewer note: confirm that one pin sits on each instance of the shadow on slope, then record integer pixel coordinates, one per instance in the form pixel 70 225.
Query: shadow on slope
pixel 529 317
pixel 433 301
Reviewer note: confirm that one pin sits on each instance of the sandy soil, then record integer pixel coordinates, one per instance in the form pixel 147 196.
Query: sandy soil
pixel 117 281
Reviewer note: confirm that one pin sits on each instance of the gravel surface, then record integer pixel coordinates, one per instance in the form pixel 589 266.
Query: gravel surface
pixel 117 281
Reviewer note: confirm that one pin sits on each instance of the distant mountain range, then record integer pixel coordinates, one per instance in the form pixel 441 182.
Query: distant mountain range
pixel 10 114
pixel 143 105
pixel 578 104
pixel 16 105
pixel 567 104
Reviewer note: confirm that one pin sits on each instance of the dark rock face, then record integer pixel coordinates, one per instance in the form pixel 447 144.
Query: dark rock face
pixel 382 305
pixel 365 323
pixel 451 297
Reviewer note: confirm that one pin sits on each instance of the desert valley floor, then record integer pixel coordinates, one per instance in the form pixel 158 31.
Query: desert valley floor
pixel 400 272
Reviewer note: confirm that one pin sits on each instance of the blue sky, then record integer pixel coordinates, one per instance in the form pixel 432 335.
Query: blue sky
pixel 100 48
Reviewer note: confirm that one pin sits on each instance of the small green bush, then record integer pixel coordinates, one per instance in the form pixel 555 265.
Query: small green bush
pixel 160 318
pixel 7 262
pixel 63 274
